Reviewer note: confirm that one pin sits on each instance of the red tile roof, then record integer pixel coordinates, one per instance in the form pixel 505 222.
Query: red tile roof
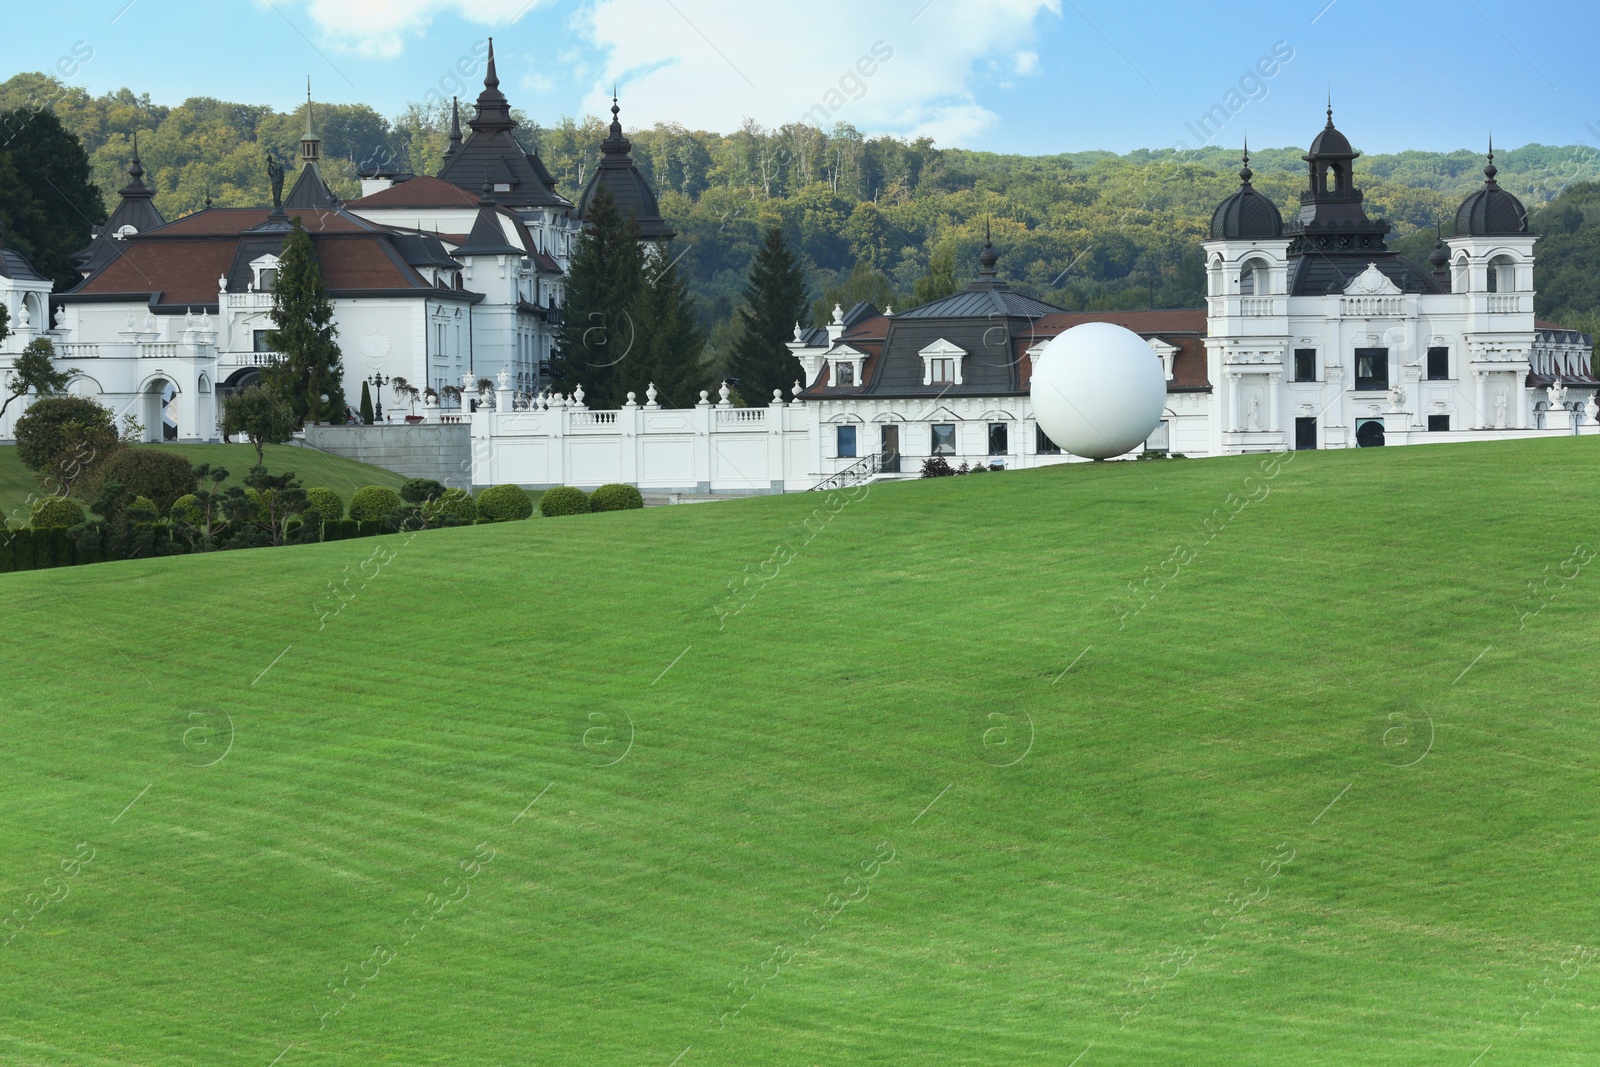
pixel 422 191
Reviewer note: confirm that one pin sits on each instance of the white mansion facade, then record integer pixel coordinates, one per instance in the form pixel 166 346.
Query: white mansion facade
pixel 1315 334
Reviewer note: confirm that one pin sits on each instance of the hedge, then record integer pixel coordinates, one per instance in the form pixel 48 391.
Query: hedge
pixel 55 511
pixel 154 473
pixel 329 505
pixel 502 502
pixel 421 490
pixel 563 500
pixel 456 504
pixel 615 497
pixel 374 503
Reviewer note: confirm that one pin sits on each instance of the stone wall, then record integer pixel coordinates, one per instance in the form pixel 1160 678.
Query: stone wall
pixel 430 450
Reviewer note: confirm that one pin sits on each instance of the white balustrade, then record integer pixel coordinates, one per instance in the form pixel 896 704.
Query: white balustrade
pixel 1373 306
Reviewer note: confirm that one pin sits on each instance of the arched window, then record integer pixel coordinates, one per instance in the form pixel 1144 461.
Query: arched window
pixel 1502 275
pixel 1255 278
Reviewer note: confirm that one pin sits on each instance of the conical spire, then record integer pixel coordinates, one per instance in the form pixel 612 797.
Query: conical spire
pixel 615 144
pixel 136 189
pixel 310 143
pixel 1245 173
pixel 1440 257
pixel 455 127
pixel 1491 170
pixel 494 113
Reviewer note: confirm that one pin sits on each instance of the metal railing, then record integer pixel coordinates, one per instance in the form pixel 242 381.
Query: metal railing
pixel 858 472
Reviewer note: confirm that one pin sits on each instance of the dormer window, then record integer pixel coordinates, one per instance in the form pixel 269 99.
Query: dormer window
pixel 124 232
pixel 502 187
pixel 942 363
pixel 845 364
pixel 265 273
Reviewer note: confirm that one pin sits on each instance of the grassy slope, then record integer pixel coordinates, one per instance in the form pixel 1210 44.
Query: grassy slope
pixel 769 761
pixel 344 476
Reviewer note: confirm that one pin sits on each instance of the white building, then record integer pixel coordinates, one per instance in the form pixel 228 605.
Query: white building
pixel 1315 335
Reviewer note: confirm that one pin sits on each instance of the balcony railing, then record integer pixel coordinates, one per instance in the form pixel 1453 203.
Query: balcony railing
pixel 1504 304
pixel 1371 307
pixel 745 415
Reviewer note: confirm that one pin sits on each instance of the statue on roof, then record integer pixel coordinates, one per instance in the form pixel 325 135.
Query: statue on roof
pixel 275 176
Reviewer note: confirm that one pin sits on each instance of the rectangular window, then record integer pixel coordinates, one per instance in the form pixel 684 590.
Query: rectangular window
pixel 847 442
pixel 998 439
pixel 1305 434
pixel 261 344
pixel 944 440
pixel 1372 370
pixel 1305 364
pixel 1438 363
pixel 269 279
pixel 1438 423
pixel 941 371
pixel 1042 443
pixel 844 374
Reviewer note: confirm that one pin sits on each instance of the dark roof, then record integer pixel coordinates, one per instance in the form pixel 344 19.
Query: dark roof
pixel 619 176
pixel 13 266
pixel 491 154
pixel 985 296
pixel 994 366
pixel 1330 143
pixel 1246 213
pixel 1491 211
pixel 488 237
pixel 310 192
pixel 1316 273
pixel 136 209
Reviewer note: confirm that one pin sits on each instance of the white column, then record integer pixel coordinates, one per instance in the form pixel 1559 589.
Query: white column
pixel 1484 422
pixel 1273 381
pixel 1232 422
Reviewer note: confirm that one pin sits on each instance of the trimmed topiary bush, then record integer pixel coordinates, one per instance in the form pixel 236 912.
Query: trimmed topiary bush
pixel 563 500
pixel 329 505
pixel 937 467
pixel 153 473
pixel 374 503
pixel 615 497
pixel 455 504
pixel 56 513
pixel 421 490
pixel 187 508
pixel 502 502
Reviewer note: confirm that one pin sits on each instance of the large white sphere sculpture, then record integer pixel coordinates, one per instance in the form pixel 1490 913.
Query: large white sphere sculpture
pixel 1098 390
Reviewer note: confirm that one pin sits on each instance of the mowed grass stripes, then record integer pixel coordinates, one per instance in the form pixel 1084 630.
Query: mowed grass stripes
pixel 1348 670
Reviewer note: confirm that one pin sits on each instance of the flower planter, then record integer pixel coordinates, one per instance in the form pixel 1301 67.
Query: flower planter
pixel 414 419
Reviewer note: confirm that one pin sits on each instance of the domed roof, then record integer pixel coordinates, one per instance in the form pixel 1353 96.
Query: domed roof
pixel 629 190
pixel 1491 211
pixel 1246 213
pixel 1330 142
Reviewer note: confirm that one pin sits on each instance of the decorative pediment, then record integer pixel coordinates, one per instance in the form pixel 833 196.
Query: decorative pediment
pixel 943 349
pixel 1372 282
pixel 845 352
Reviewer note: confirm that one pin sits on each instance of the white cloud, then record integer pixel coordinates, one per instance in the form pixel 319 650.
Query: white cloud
pixel 380 28
pixel 710 63
pixel 1026 62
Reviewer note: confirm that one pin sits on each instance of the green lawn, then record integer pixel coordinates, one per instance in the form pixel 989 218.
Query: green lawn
pixel 707 885
pixel 19 485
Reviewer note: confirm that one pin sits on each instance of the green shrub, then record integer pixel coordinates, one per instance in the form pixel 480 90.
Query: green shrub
pixel 615 497
pixel 456 504
pixel 153 473
pixel 374 503
pixel 187 508
pixel 56 512
pixel 502 502
pixel 421 490
pixel 563 500
pixel 329 505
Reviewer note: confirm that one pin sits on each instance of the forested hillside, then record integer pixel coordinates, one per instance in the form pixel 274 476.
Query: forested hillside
pixel 1083 230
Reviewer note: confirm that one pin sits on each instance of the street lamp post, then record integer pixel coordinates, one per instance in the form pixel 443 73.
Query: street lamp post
pixel 379 381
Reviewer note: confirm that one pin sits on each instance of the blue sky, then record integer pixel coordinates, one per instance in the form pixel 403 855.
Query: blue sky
pixel 1008 75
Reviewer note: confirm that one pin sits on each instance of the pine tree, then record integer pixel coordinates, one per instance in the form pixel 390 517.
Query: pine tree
pixel 47 196
pixel 599 331
pixel 366 403
pixel 671 340
pixel 311 367
pixel 774 301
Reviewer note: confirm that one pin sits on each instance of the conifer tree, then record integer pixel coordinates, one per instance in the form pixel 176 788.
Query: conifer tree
pixel 366 403
pixel 774 301
pixel 311 366
pixel 671 341
pixel 599 331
